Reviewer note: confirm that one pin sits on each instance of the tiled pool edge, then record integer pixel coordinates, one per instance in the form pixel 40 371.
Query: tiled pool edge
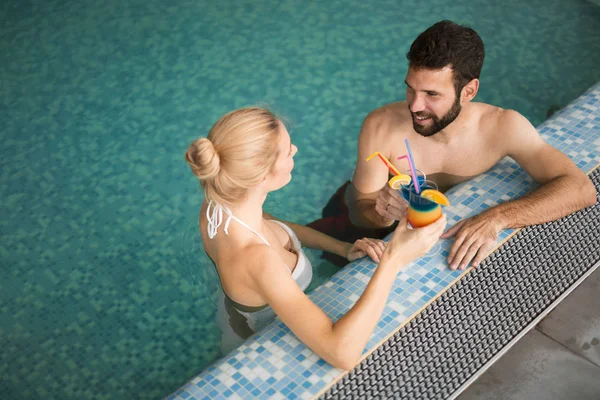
pixel 466 272
pixel 274 364
pixel 483 314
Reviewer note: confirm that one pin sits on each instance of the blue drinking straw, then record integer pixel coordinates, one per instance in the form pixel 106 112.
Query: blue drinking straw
pixel 410 159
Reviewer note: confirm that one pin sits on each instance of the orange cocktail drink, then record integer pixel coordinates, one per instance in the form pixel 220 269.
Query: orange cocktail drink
pixel 422 211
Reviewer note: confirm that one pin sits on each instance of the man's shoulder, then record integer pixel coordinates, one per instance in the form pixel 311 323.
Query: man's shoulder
pixel 496 118
pixel 389 118
pixel 491 112
pixel 391 111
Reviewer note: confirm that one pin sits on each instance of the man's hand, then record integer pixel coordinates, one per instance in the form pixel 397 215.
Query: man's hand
pixel 390 204
pixel 475 237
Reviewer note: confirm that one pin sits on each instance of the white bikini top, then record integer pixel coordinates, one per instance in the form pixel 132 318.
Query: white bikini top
pixel 302 273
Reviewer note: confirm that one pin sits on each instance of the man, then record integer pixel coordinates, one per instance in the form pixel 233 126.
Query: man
pixel 452 140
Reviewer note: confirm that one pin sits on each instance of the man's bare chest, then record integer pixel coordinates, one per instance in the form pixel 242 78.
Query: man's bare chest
pixel 448 165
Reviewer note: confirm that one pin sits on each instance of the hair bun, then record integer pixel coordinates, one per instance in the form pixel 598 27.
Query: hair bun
pixel 203 159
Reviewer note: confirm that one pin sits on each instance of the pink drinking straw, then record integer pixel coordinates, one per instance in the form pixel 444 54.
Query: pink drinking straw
pixel 411 164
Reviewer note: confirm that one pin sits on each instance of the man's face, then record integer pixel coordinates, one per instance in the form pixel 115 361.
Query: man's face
pixel 432 99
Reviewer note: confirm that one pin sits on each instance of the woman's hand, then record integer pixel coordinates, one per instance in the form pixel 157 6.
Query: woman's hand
pixel 409 244
pixel 374 248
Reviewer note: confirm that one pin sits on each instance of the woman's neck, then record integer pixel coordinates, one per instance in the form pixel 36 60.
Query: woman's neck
pixel 250 211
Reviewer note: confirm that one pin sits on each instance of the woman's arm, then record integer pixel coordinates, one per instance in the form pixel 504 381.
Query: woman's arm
pixel 340 343
pixel 314 239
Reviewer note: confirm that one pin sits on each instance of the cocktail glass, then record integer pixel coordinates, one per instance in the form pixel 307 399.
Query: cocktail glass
pixel 421 211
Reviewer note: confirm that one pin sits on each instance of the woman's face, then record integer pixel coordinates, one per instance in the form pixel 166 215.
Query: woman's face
pixel 281 174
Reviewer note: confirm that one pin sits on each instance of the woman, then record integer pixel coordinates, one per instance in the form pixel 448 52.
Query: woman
pixel 260 262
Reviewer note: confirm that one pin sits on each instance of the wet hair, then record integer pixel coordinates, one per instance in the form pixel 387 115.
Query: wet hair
pixel 239 152
pixel 448 44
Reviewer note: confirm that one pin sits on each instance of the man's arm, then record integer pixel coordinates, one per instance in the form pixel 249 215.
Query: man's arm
pixel 370 177
pixel 564 187
pixel 564 190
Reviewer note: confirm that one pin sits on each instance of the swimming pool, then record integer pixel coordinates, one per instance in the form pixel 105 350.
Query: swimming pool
pixel 104 284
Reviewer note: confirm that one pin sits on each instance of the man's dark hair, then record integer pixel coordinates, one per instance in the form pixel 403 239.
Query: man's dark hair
pixel 448 44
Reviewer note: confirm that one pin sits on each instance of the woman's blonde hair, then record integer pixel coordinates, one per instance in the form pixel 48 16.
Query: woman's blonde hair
pixel 239 152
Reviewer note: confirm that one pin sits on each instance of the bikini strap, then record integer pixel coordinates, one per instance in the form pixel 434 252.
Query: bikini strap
pixel 215 219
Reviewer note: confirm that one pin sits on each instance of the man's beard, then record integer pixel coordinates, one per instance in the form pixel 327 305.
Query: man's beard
pixel 437 123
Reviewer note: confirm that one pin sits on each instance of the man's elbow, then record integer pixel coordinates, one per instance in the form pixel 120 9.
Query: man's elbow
pixel 369 218
pixel 358 218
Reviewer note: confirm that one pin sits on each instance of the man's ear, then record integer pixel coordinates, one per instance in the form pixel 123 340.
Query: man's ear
pixel 469 91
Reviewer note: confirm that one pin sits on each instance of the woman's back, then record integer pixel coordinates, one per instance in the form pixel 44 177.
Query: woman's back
pixel 232 253
pixel 237 253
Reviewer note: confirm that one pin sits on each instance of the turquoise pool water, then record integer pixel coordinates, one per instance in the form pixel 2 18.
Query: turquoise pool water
pixel 104 290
